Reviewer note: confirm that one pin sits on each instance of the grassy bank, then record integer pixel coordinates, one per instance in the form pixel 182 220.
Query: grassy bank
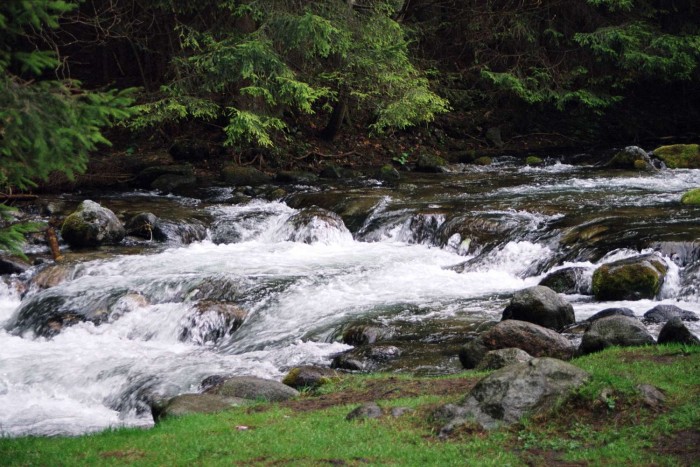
pixel 614 428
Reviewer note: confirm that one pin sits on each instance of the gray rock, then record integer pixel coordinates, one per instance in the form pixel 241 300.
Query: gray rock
pixel 313 224
pixel 614 331
pixel 365 334
pixel 496 359
pixel 674 331
pixel 663 313
pixel 540 305
pixel 651 396
pixel 92 225
pixel 506 395
pixel 631 158
pixel 388 173
pixel 630 279
pixel 533 339
pixel 12 265
pixel 612 312
pixel 211 321
pixel 173 183
pixel 238 175
pixel 186 404
pixel 309 377
pixel 365 411
pixel 251 387
pixel 366 358
pixel 147 176
pixel 575 280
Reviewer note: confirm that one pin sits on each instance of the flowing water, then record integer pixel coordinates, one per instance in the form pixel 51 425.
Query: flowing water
pixel 434 256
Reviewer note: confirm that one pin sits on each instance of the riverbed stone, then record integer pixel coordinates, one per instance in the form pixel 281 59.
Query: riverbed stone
pixel 366 357
pixel 536 340
pixel 631 157
pixel 495 359
pixel 508 394
pixel 173 183
pixel 251 387
pixel 187 404
pixel 674 331
pixel 573 280
pixel 240 175
pixel 211 321
pixel 362 334
pixel 52 275
pixel 430 163
pixel 619 331
pixel 92 225
pixel 633 278
pixel 662 313
pixel 679 156
pixel 540 305
pixel 619 311
pixel 309 376
pixel 147 176
pixel 314 224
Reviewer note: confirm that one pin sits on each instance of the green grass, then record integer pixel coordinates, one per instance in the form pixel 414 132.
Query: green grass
pixel 584 429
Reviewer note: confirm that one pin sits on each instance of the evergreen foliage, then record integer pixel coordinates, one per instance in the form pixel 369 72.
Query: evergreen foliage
pixel 46 124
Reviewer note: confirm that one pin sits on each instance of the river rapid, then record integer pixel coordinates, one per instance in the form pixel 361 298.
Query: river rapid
pixel 434 256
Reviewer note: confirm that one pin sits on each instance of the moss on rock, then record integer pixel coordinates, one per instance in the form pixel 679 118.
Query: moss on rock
pixel 629 279
pixel 484 160
pixel 533 160
pixel 679 156
pixel 691 197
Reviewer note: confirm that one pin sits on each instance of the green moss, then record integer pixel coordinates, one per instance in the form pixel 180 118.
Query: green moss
pixel 679 156
pixel 691 197
pixel 533 160
pixel 639 164
pixel 632 281
pixel 484 160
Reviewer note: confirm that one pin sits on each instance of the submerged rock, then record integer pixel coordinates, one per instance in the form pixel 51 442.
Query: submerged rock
pixel 92 225
pixel 536 340
pixel 663 313
pixel 508 394
pixel 540 305
pixel 619 331
pixel 251 387
pixel 574 280
pixel 679 156
pixel 630 279
pixel 674 331
pixel 211 321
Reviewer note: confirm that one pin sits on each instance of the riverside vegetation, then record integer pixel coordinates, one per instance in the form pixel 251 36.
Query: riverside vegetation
pixel 607 421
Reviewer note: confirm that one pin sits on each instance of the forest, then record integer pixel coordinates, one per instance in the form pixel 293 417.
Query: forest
pixel 276 77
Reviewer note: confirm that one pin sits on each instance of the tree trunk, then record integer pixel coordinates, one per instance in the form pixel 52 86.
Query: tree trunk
pixel 335 121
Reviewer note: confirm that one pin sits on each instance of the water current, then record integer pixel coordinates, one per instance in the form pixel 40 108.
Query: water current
pixel 434 252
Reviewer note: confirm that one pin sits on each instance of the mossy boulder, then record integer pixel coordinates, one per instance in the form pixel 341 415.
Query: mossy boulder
pixel 630 279
pixel 310 377
pixel 251 387
pixel 483 160
pixel 388 173
pixel 631 157
pixel 238 175
pixel 691 197
pixel 430 163
pixel 92 225
pixel 679 156
pixel 573 280
pixel 534 160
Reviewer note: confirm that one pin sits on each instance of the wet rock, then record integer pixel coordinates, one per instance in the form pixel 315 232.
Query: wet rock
pixel 662 313
pixel 496 359
pixel 476 233
pixel 144 225
pixel 430 163
pixel 331 172
pixel 238 175
pixel 619 331
pixel 173 183
pixel 483 161
pixel 215 289
pixel 92 225
pixel 53 275
pixel 540 305
pixel 312 225
pixel 251 387
pixel 575 280
pixel 632 157
pixel 630 279
pixel 309 377
pixel 674 331
pixel 299 178
pixel 147 176
pixel 681 253
pixel 388 173
pixel 354 210
pixel 536 340
pixel 187 404
pixel 363 334
pixel 612 312
pixel 211 321
pixel 510 393
pixel 679 156
pixel 12 266
pixel 149 227
pixel 366 358
pixel 365 411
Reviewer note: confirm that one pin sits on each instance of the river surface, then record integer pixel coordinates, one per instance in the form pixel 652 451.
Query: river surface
pixel 434 256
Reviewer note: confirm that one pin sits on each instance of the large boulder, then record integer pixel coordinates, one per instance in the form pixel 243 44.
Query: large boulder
pixel 630 279
pixel 508 394
pixel 313 225
pixel 148 226
pixel 251 387
pixel 430 163
pixel 574 280
pixel 146 177
pixel 187 404
pixel 674 331
pixel 679 156
pixel 614 331
pixel 92 225
pixel 662 313
pixel 631 158
pixel 496 359
pixel 536 340
pixel 540 305
pixel 238 175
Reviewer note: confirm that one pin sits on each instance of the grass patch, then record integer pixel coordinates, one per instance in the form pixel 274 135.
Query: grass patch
pixel 313 431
